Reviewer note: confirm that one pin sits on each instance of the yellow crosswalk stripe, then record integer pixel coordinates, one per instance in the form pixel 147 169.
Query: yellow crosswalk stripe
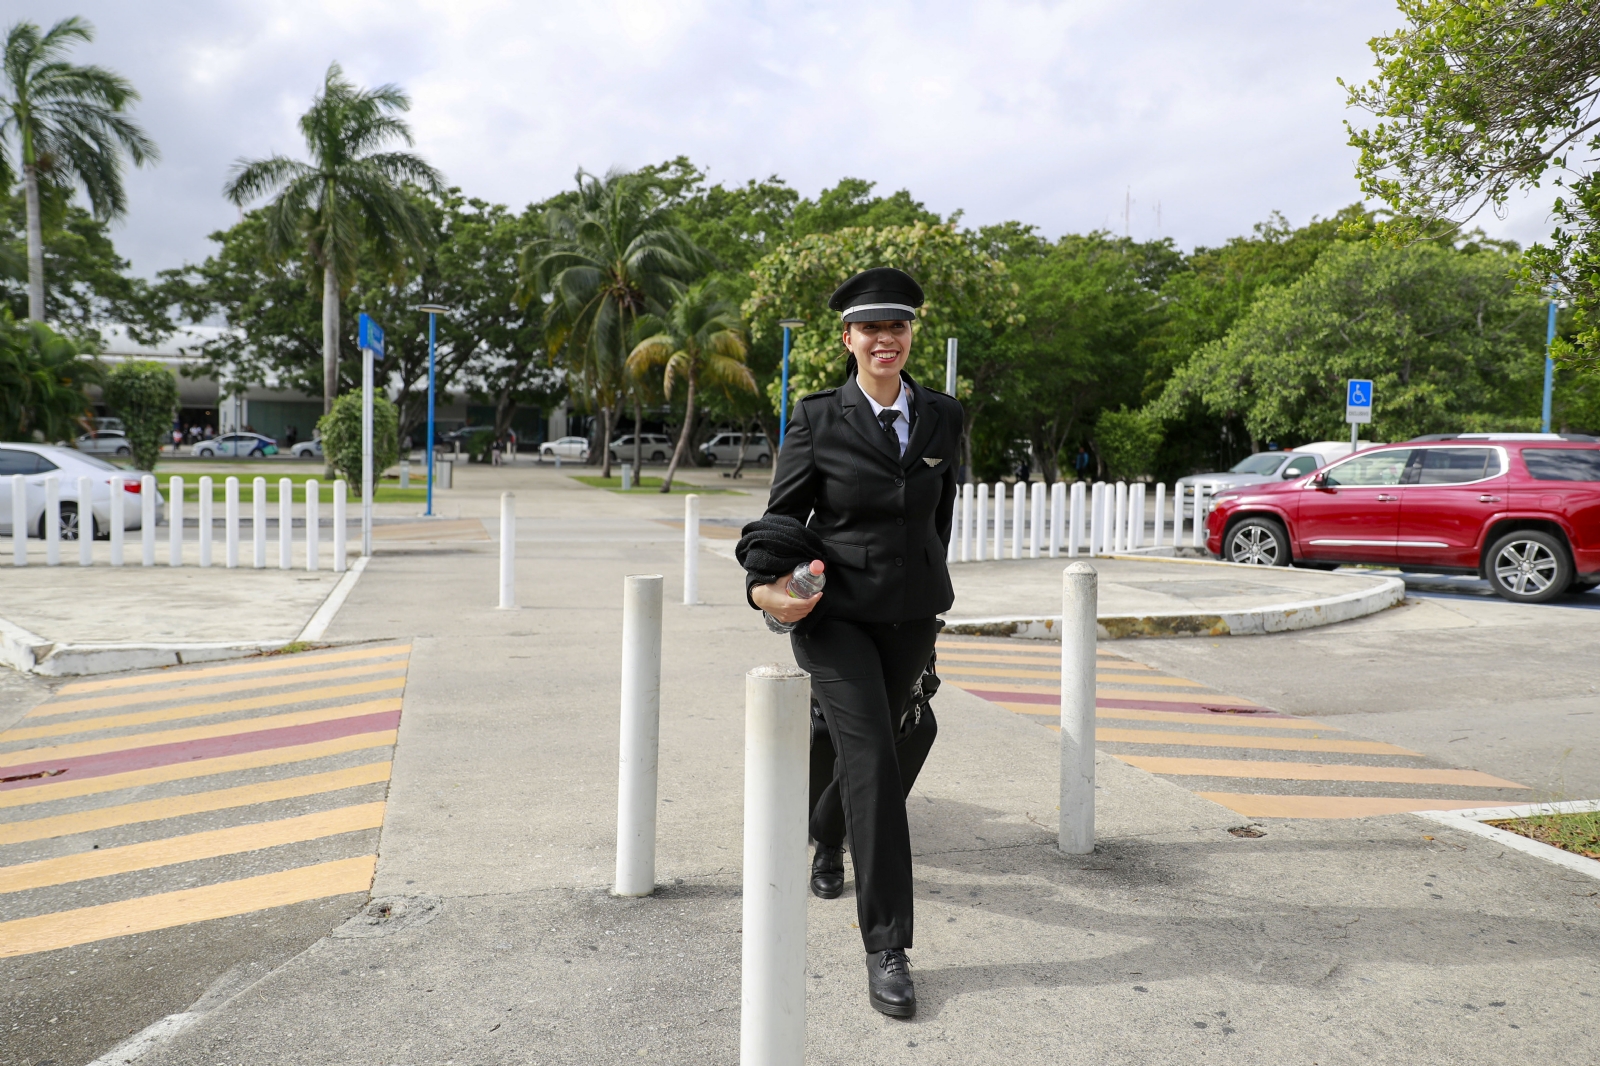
pixel 226 764
pixel 1253 806
pixel 264 664
pixel 276 699
pixel 84 925
pixel 1100 675
pixel 1176 717
pixel 216 688
pixel 1271 770
pixel 1020 646
pixel 1233 740
pixel 193 803
pixel 1031 660
pixel 1207 698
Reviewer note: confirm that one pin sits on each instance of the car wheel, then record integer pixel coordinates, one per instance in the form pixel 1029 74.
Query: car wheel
pixel 124 451
pixel 1257 542
pixel 1529 566
pixel 657 457
pixel 207 453
pixel 765 459
pixel 69 522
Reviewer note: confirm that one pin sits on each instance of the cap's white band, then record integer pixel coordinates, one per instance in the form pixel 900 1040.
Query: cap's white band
pixel 912 311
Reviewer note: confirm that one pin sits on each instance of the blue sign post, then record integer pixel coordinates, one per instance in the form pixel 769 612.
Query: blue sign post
pixel 1357 407
pixel 371 340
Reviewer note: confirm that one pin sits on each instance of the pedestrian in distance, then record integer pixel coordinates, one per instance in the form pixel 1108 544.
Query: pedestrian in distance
pixel 870 469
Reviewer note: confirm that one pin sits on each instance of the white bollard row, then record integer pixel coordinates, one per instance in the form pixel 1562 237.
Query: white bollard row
pixel 981 536
pixel 1036 521
pixel 966 523
pixel 1075 520
pixel 1161 514
pixel 313 524
pixel 999 519
pixel 1058 517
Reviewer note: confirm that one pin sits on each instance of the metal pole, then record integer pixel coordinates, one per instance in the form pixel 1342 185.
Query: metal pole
pixel 85 522
pixel 508 551
pixel 230 522
pixel 640 739
pixel 980 534
pixel 258 522
pixel 19 520
pixel 1355 431
pixel 1079 604
pixel 147 520
pixel 950 366
pixel 52 521
pixel 118 516
pixel 691 549
pixel 341 526
pixel 285 523
pixel 783 399
pixel 772 1022
pixel 1549 364
pixel 432 337
pixel 366 451
pixel 175 521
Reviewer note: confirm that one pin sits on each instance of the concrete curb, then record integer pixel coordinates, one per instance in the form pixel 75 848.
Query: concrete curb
pixel 1472 821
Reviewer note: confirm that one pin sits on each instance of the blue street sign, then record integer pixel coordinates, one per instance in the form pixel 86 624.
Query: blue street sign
pixel 1358 401
pixel 371 335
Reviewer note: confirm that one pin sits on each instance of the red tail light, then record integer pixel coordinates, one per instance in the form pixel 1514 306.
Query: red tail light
pixel 130 486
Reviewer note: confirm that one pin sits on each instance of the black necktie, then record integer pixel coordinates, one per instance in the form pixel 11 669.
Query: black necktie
pixel 887 417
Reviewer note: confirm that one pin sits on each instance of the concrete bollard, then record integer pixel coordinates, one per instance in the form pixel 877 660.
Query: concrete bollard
pixel 777 720
pixel 1058 517
pixel 1075 522
pixel 1160 515
pixel 966 523
pixel 258 523
pixel 405 473
pixel 230 523
pixel 1119 525
pixel 1079 605
pixel 627 477
pixel 1198 524
pixel 639 743
pixel 207 518
pixel 341 525
pixel 19 520
pixel 52 521
pixel 175 521
pixel 980 536
pixel 1019 517
pixel 691 549
pixel 1136 515
pixel 508 553
pixel 1177 515
pixel 1108 521
pixel 147 520
pixel 85 522
pixel 118 517
pixel 285 524
pixel 999 519
pixel 313 522
pixel 1097 516
pixel 1036 521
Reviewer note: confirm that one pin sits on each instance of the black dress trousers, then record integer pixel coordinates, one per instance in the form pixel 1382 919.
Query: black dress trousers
pixel 862 673
pixel 911 746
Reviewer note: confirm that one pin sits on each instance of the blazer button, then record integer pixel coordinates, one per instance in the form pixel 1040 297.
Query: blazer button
pixel 899 561
pixel 899 521
pixel 899 482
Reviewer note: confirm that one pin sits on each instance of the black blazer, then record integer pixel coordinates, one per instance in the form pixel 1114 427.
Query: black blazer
pixel 884 519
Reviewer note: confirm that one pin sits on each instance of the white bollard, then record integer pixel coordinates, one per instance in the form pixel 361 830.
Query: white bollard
pixel 1108 520
pixel 313 522
pixel 1177 515
pixel 285 523
pixel 1160 516
pixel 175 521
pixel 641 734
pixel 772 1022
pixel 118 516
pixel 1097 497
pixel 341 525
pixel 1136 515
pixel 508 552
pixel 19 520
pixel 1019 517
pixel 999 519
pixel 627 477
pixel 1058 517
pixel 207 517
pixel 966 522
pixel 258 523
pixel 1079 605
pixel 405 473
pixel 1036 521
pixel 691 549
pixel 1075 521
pixel 1119 528
pixel 980 536
pixel 230 523
pixel 147 520
pixel 85 522
pixel 52 521
pixel 1199 523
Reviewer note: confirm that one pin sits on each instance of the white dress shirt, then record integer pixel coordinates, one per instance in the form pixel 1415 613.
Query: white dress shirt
pixel 902 403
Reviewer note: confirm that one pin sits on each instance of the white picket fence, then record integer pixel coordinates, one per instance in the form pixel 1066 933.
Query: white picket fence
pixel 203 550
pixel 1076 519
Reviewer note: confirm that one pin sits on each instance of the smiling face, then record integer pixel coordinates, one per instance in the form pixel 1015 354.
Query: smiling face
pixel 880 350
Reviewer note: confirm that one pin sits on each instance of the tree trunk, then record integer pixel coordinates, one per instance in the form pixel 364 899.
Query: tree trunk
pixel 330 337
pixel 605 441
pixel 30 187
pixel 638 436
pixel 683 435
pixel 745 434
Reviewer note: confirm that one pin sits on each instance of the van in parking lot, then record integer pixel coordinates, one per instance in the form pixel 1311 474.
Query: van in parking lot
pixel 724 448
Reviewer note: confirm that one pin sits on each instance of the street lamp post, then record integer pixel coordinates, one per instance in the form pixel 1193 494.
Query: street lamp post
pixel 433 311
pixel 788 324
pixel 1549 363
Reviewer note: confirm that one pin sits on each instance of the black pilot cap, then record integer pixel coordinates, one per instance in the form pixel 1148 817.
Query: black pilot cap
pixel 882 294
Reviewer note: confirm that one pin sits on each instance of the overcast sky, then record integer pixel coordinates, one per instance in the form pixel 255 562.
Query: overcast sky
pixel 1207 115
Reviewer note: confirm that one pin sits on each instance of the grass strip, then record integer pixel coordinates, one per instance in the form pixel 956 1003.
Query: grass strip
pixel 1578 833
pixel 650 484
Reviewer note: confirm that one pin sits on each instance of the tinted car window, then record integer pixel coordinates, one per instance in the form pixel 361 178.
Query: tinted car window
pixel 1567 464
pixel 1378 468
pixel 1259 463
pixel 15 462
pixel 1303 465
pixel 1453 466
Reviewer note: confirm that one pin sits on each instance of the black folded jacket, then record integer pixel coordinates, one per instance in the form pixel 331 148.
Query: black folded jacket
pixel 772 547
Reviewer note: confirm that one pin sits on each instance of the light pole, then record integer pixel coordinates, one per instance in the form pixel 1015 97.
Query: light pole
pixel 433 311
pixel 788 324
pixel 1549 363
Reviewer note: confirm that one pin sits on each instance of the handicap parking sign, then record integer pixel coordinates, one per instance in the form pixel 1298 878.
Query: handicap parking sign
pixel 1358 401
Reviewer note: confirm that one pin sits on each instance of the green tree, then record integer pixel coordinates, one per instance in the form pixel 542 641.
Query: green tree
pixel 42 379
pixel 350 198
pixel 67 126
pixel 341 437
pixel 700 341
pixel 1127 441
pixel 144 394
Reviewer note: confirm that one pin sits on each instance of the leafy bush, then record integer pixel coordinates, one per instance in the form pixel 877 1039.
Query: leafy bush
pixel 480 444
pixel 42 375
pixel 341 437
pixel 1127 441
pixel 144 394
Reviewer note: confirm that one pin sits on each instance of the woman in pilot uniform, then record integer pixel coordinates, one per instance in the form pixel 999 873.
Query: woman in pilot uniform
pixel 870 467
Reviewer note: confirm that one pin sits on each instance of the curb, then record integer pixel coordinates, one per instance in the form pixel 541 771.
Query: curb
pixel 30 653
pixel 1472 821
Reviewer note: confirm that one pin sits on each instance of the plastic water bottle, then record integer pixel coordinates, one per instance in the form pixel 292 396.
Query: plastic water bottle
pixel 806 581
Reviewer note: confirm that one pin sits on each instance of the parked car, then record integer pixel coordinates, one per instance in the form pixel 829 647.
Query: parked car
pixel 724 448
pixel 565 448
pixel 653 448
pixel 1520 510
pixel 463 436
pixel 307 449
pixel 37 463
pixel 106 442
pixel 253 445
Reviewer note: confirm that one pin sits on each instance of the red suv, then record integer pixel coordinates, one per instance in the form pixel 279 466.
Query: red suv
pixel 1520 510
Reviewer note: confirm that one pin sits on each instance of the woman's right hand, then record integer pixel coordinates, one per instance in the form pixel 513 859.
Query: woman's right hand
pixel 774 598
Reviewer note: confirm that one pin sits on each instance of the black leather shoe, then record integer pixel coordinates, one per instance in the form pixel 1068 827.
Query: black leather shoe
pixel 889 983
pixel 827 872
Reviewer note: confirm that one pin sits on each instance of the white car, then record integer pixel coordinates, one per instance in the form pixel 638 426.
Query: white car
pixel 235 445
pixel 38 463
pixel 307 449
pixel 724 448
pixel 106 442
pixel 565 448
pixel 653 448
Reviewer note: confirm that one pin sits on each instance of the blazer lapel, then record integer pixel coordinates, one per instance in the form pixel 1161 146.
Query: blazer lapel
pixel 923 428
pixel 858 412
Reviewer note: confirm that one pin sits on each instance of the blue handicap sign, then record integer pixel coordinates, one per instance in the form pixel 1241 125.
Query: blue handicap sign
pixel 371 335
pixel 1359 394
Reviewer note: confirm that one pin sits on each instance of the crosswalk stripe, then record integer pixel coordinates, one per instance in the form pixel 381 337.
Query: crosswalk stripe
pixel 1230 740
pixel 997 690
pixel 193 803
pixel 1176 717
pixel 945 659
pixel 227 764
pixel 63 929
pixel 1020 647
pixel 150 854
pixel 217 688
pixel 1254 806
pixel 131 741
pixel 1101 674
pixel 277 699
pixel 1269 770
pixel 265 664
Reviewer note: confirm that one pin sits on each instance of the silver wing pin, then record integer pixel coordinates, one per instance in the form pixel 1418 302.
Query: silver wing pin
pixel 932 462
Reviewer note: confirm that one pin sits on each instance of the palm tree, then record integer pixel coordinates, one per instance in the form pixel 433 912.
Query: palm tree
pixel 69 129
pixel 700 341
pixel 349 194
pixel 610 259
pixel 42 377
